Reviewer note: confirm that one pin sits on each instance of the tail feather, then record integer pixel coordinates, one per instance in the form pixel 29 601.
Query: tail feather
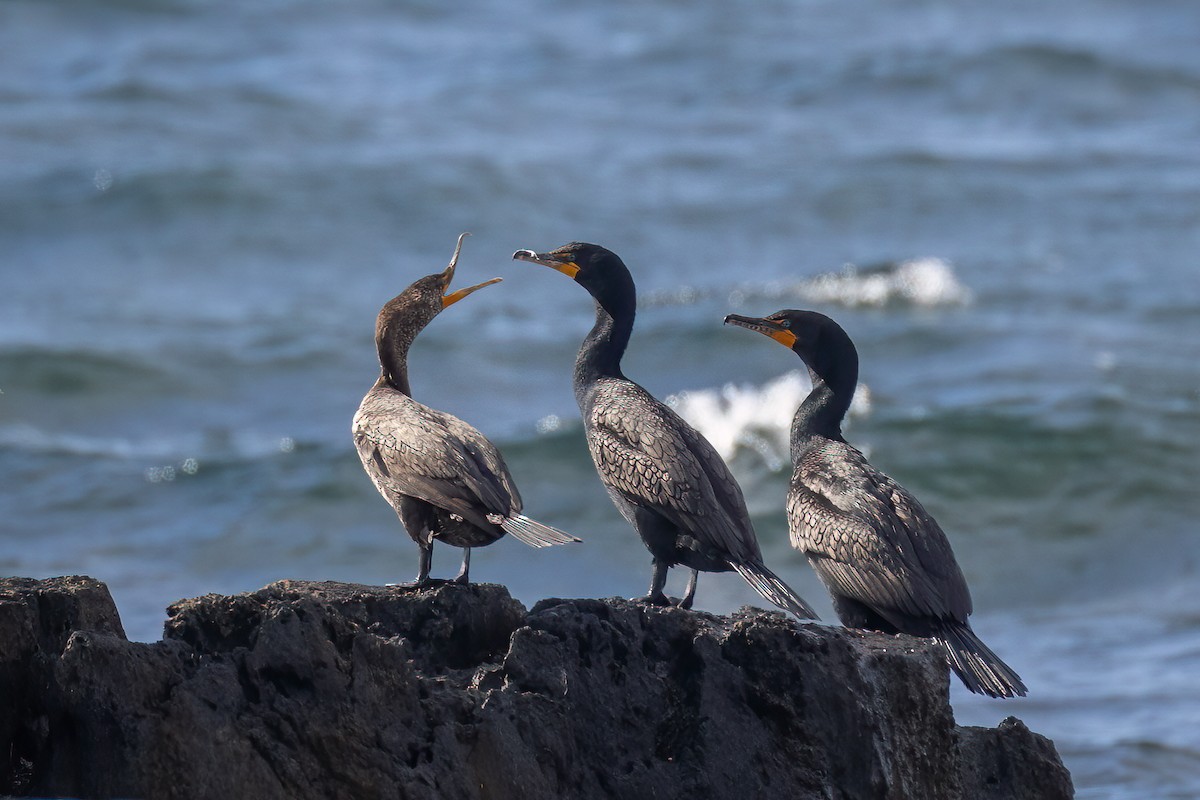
pixel 769 585
pixel 976 665
pixel 534 533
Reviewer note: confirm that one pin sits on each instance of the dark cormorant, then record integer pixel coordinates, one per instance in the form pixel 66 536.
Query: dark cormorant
pixel 884 559
pixel 663 476
pixel 445 480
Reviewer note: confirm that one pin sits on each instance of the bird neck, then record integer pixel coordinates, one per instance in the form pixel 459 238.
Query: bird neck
pixel 393 341
pixel 397 380
pixel 601 352
pixel 822 412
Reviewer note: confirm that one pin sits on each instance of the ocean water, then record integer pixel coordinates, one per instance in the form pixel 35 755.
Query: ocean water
pixel 203 206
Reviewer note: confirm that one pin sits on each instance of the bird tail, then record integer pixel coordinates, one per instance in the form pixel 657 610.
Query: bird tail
pixel 534 533
pixel 769 585
pixel 976 665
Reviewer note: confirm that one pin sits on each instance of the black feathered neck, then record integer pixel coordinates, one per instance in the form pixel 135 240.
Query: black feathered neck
pixel 832 362
pixel 608 281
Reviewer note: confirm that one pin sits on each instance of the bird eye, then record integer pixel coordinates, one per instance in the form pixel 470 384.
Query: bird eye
pixel 787 323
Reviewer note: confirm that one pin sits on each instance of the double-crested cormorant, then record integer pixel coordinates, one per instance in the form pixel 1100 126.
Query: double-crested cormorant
pixel 884 559
pixel 445 480
pixel 663 476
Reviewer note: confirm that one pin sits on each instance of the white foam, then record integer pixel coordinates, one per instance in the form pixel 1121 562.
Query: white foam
pixel 758 418
pixel 926 282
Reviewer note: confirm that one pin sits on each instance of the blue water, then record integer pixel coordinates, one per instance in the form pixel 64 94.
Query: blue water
pixel 204 204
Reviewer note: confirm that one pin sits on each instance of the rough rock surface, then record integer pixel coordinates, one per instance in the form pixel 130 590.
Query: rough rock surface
pixel 327 690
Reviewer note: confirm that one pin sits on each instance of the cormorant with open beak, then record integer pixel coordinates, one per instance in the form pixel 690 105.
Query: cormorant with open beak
pixel 445 480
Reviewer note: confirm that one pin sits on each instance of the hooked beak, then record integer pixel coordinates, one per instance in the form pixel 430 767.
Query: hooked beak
pixel 767 327
pixel 561 263
pixel 448 275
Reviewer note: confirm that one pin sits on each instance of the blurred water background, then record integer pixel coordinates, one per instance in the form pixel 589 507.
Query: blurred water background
pixel 204 204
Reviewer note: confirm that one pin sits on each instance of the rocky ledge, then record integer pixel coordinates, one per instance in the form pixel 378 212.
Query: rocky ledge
pixel 328 690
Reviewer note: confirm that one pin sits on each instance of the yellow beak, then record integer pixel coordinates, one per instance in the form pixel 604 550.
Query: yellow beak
pixel 454 297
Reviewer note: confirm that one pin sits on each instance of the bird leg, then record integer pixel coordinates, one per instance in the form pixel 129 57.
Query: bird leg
pixel 655 596
pixel 426 563
pixel 466 567
pixel 690 592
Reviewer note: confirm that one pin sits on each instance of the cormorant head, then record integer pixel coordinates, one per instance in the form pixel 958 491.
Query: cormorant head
pixel 425 298
pixel 593 267
pixel 818 340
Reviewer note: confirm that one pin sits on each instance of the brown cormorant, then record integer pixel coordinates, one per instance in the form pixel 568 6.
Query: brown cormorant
pixel 445 480
pixel 664 477
pixel 884 559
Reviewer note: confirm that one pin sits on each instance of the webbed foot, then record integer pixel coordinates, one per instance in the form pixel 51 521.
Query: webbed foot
pixel 654 599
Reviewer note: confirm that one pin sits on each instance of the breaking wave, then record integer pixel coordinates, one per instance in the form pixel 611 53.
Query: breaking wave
pixel 757 418
pixel 922 282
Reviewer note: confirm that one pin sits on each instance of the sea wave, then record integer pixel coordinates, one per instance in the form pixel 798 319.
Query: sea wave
pixel 1011 64
pixel 757 418
pixel 48 370
pixel 184 451
pixel 1129 69
pixel 927 282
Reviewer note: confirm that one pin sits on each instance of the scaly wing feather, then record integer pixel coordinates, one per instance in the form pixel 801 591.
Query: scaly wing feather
pixel 871 540
pixel 410 449
pixel 647 454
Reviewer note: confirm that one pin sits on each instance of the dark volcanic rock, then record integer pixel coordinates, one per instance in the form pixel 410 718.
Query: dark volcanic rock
pixel 328 690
